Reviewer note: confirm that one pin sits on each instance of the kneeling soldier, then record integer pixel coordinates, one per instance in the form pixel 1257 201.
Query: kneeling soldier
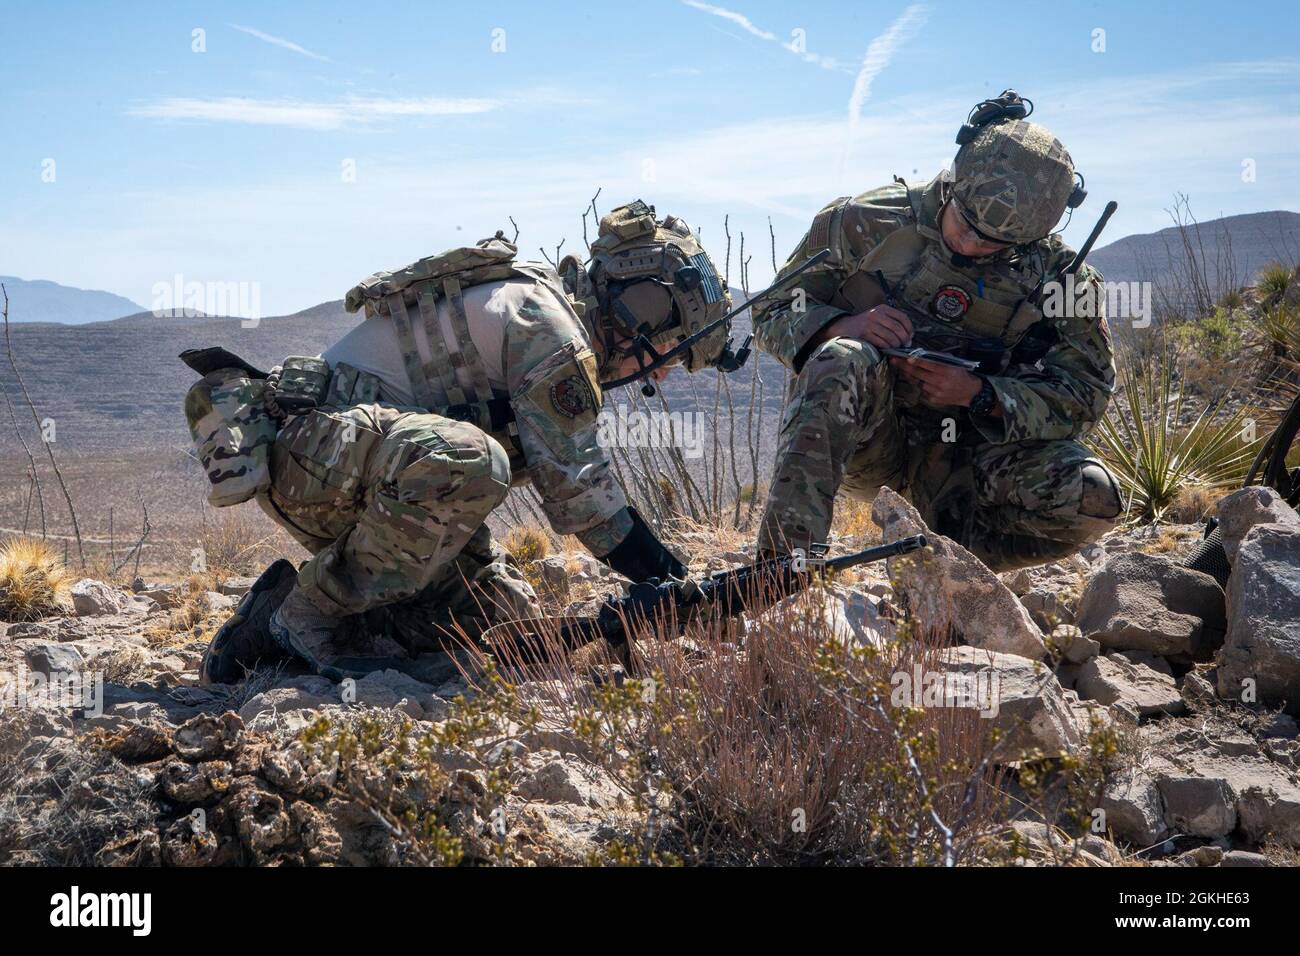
pixel 966 265
pixel 471 372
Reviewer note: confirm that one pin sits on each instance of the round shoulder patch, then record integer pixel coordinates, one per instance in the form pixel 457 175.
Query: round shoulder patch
pixel 570 397
pixel 950 303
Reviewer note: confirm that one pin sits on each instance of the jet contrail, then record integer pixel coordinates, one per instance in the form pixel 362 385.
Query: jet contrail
pixel 277 41
pixel 879 54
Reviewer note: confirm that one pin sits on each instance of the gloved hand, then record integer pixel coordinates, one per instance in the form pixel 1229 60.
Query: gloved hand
pixel 641 555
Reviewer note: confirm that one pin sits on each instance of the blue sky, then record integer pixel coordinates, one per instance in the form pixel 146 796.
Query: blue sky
pixel 228 165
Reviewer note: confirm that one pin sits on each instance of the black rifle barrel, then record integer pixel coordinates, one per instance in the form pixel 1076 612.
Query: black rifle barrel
pixel 686 343
pixel 1086 248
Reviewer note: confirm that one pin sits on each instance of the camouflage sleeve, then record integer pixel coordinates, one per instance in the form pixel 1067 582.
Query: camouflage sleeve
pixel 1068 393
pixel 555 393
pixel 786 322
pixel 849 228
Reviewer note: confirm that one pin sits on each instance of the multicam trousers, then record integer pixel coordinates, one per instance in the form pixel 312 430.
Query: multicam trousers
pixel 392 504
pixel 1012 504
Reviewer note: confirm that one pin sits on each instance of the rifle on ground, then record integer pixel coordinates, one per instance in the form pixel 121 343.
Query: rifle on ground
pixel 727 592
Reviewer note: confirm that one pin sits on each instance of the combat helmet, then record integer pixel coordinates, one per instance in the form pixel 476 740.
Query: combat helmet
pixel 653 286
pixel 1013 179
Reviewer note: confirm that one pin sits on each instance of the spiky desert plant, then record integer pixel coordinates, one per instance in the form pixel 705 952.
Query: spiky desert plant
pixel 1156 457
pixel 33 580
pixel 1273 282
pixel 1279 331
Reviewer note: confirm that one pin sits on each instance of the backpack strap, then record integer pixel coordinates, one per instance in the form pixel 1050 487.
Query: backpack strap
pixel 442 377
pixel 466 356
pixel 421 386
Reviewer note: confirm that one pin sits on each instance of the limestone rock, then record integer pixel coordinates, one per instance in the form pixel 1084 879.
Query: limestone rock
pixel 1022 698
pixel 950 590
pixel 1134 813
pixel 1263 640
pixel 1114 679
pixel 1147 602
pixel 1243 509
pixel 1200 806
pixel 93 598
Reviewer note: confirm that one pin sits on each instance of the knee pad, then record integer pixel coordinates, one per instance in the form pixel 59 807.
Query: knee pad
pixel 1100 498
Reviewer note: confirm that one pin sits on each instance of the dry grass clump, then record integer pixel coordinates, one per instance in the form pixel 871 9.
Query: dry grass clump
pixel 853 519
pixel 1194 503
pixel 33 580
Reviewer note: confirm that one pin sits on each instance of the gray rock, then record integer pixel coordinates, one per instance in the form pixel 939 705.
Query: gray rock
pixel 1147 602
pixel 218 602
pixel 93 598
pixel 1080 648
pixel 1269 809
pixel 1278 726
pixel 1263 640
pixel 950 591
pixel 1147 659
pixel 1197 692
pixel 1113 679
pixel 1200 806
pixel 1242 510
pixel 46 658
pixel 1245 858
pixel 237 587
pixel 1031 709
pixel 1200 856
pixel 1046 608
pixel 1134 813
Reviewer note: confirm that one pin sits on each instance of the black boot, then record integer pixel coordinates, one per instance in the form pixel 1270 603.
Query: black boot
pixel 245 639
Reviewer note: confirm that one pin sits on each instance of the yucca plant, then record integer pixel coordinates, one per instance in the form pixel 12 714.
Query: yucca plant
pixel 1273 282
pixel 1153 455
pixel 1279 331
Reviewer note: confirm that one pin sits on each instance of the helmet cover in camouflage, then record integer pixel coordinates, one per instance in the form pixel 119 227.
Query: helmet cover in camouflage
pixel 1013 180
pixel 684 294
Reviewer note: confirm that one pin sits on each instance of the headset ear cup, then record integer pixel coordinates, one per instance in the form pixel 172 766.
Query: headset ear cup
pixel 1077 195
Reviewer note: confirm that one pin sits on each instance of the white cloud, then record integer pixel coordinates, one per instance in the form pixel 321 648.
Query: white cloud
pixel 278 41
pixel 300 114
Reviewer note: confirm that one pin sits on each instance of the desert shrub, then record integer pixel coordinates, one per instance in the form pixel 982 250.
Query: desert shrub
pixel 1154 455
pixel 786 750
pixel 62 800
pixel 33 580
pixel 439 793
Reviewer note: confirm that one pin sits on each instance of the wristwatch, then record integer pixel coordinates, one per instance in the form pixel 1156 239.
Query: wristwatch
pixel 985 399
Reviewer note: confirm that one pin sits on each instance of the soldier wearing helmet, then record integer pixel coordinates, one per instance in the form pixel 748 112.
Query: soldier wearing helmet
pixel 472 372
pixel 966 265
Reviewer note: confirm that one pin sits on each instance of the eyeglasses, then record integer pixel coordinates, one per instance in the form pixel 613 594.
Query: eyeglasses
pixel 970 224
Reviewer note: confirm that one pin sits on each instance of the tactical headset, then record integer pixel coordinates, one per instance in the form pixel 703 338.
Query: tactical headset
pixel 1010 105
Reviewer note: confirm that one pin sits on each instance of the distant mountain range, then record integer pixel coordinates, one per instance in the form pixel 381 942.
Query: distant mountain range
pixel 118 385
pixel 1236 246
pixel 36 300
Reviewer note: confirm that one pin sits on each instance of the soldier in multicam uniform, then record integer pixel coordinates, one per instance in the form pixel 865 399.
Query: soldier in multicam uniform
pixel 471 372
pixel 966 264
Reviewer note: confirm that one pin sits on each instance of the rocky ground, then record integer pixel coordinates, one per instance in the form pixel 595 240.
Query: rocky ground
pixel 1201 686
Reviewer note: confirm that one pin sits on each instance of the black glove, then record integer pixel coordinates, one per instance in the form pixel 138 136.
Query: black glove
pixel 641 556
